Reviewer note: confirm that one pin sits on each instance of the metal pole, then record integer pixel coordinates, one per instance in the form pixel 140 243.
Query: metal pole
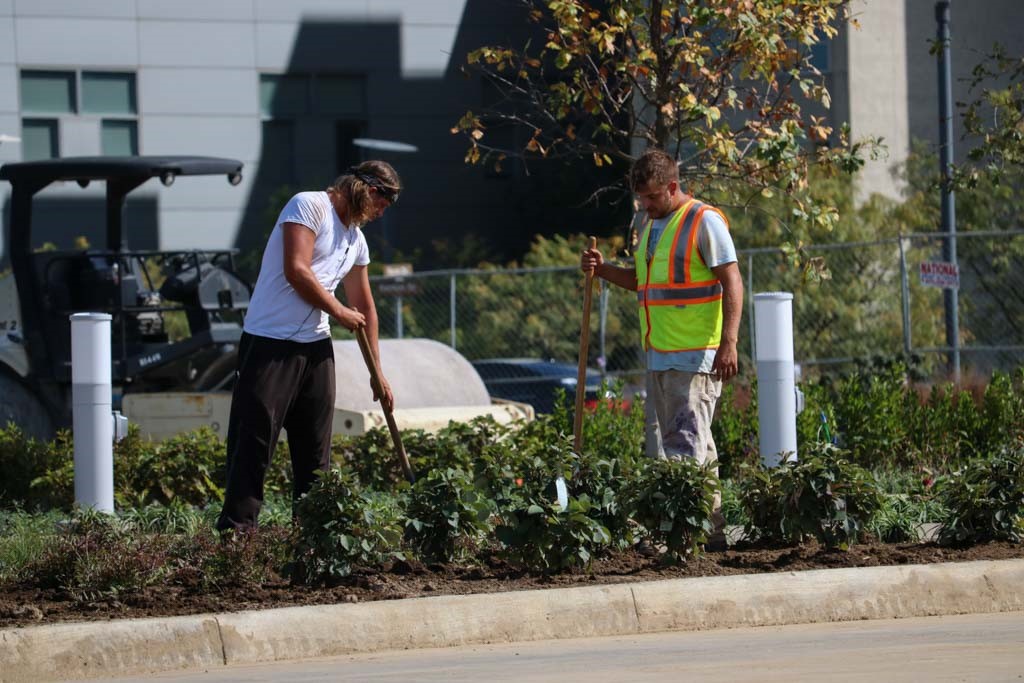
pixel 398 317
pixel 942 15
pixel 451 305
pixel 905 297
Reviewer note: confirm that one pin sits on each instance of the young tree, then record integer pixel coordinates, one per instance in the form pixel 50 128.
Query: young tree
pixel 727 85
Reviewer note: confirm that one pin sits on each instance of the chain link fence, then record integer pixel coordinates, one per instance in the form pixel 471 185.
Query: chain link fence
pixel 871 303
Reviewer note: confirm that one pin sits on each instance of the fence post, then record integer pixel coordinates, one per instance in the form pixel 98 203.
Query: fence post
pixel 398 317
pixel 451 306
pixel 946 158
pixel 904 296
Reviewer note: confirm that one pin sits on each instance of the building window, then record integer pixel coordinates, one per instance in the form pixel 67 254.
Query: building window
pixel 108 98
pixel 118 138
pixel 48 92
pixel 39 139
pixel 108 93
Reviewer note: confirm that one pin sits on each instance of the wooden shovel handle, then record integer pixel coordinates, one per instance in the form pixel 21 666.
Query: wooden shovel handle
pixel 581 374
pixel 378 387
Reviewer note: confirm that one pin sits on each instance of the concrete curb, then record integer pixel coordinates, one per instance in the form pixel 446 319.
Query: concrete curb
pixel 148 645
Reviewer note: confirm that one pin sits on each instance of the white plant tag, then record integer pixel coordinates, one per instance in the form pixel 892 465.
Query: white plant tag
pixel 562 492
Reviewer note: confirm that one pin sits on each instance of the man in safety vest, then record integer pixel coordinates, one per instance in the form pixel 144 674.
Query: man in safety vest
pixel 690 296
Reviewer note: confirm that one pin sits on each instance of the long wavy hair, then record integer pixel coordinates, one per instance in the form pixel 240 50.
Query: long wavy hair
pixel 358 184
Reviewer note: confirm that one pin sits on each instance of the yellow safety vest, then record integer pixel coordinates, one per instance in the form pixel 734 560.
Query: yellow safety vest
pixel 680 297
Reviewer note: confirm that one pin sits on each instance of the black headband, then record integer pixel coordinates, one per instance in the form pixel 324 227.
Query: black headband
pixel 374 182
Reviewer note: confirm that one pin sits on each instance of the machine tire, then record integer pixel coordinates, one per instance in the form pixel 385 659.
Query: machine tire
pixel 20 405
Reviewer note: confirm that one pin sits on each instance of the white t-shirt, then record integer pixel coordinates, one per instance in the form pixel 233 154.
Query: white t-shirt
pixel 276 310
pixel 716 248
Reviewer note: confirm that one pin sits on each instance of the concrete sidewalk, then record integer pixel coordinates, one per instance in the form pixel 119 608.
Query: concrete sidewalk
pixel 128 647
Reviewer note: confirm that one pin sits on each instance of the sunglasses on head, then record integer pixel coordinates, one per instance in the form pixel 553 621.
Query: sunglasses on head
pixel 389 193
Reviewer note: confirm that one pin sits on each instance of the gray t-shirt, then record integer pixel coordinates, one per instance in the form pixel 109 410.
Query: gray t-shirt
pixel 716 248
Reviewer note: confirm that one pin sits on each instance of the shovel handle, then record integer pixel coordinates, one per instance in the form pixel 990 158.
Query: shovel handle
pixel 581 374
pixel 378 388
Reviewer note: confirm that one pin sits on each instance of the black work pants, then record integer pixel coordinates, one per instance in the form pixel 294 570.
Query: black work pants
pixel 280 384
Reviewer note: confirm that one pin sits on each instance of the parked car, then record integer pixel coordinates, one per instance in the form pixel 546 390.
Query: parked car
pixel 536 381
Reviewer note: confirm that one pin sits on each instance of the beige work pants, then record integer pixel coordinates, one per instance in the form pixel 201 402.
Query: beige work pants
pixel 680 406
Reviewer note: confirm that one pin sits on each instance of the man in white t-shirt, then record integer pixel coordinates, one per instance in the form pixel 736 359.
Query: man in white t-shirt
pixel 690 296
pixel 285 357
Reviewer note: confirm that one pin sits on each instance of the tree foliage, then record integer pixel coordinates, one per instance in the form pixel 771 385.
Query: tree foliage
pixel 995 120
pixel 728 85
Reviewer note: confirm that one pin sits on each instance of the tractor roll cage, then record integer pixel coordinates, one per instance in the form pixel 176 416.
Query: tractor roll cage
pixel 121 175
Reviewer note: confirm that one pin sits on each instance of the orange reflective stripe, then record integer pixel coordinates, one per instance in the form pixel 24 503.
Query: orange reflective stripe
pixel 680 228
pixel 699 214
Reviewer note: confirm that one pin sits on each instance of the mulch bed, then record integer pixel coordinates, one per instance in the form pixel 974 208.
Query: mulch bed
pixel 20 606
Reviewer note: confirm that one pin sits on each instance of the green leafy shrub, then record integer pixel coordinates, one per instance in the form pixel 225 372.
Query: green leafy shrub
pixel 448 517
pixel 985 499
pixel 611 431
pixel 604 481
pixel 735 428
pixel 824 496
pixel 36 474
pixel 370 458
pixel 870 412
pixel 1002 413
pixel 342 526
pixel 540 535
pixel 185 468
pixel 54 485
pixel 673 500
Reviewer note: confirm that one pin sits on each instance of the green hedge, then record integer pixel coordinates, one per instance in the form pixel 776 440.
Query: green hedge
pixel 485 488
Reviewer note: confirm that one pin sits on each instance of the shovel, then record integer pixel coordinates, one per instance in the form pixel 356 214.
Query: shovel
pixel 378 388
pixel 581 375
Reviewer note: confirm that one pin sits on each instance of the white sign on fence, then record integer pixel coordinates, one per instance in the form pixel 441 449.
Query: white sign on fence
pixel 940 274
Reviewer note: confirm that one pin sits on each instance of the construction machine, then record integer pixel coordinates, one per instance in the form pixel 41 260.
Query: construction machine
pixel 177 315
pixel 176 321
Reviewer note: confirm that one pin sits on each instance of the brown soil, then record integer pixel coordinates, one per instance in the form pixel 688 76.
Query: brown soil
pixel 29 606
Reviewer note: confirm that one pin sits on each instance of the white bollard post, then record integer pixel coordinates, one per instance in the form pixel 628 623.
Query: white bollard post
pixel 776 384
pixel 92 424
